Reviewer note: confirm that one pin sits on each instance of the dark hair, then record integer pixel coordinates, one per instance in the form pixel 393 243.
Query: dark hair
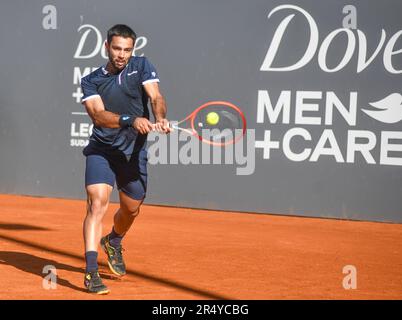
pixel 120 30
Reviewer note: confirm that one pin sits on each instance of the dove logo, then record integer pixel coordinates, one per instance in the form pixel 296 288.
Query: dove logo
pixel 356 41
pixel 388 110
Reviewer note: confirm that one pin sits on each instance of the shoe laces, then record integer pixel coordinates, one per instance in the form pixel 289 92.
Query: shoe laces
pixel 95 278
pixel 118 253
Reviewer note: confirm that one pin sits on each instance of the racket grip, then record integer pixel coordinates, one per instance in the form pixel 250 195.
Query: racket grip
pixel 171 126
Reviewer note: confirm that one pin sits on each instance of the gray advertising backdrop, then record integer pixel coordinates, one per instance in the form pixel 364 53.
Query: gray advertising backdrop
pixel 319 83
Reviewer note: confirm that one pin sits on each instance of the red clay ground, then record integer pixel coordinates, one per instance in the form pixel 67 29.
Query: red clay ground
pixel 174 253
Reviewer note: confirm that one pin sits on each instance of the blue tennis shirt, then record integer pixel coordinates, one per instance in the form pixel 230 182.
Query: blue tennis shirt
pixel 121 93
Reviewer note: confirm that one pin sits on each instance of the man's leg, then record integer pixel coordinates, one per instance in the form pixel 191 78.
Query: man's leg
pixel 125 216
pixel 131 180
pixel 97 203
pixel 123 219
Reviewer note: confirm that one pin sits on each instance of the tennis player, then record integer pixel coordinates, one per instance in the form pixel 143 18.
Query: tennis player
pixel 116 98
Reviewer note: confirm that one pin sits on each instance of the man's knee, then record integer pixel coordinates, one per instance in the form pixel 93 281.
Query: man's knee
pixel 129 206
pixel 97 206
pixel 97 200
pixel 133 210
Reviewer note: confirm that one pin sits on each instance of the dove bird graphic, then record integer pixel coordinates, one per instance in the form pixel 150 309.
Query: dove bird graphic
pixel 389 109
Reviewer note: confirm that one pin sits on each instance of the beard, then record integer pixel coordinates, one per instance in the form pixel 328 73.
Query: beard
pixel 118 65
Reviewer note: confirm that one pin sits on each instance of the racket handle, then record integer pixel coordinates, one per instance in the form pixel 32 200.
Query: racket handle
pixel 171 126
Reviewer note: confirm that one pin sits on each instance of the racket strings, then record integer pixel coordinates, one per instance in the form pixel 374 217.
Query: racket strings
pixel 227 125
pixel 218 123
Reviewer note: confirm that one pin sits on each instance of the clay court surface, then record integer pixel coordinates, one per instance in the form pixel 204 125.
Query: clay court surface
pixel 175 253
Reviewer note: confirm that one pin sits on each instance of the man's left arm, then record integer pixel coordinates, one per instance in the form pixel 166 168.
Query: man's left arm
pixel 158 104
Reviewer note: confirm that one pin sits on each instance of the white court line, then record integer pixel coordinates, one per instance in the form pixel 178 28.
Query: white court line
pixel 80 113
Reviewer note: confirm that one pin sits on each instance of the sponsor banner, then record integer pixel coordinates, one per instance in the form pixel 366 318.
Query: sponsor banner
pixel 318 82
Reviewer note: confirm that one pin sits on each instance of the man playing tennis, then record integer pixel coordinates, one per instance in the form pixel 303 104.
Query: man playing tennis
pixel 116 98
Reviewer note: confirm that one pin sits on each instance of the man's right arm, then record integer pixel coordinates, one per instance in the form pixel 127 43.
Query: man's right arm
pixel 103 118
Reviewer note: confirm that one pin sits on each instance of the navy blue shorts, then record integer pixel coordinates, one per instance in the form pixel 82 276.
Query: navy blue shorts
pixel 130 174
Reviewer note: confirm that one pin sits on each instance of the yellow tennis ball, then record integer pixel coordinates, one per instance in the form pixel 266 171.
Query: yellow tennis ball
pixel 212 118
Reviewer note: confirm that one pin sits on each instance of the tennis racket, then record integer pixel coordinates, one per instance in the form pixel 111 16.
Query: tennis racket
pixel 218 123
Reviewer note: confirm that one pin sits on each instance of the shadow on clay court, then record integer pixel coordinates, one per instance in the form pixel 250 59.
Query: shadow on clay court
pixel 33 264
pixel 15 226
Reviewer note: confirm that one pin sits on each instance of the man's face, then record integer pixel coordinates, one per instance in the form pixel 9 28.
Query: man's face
pixel 120 50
